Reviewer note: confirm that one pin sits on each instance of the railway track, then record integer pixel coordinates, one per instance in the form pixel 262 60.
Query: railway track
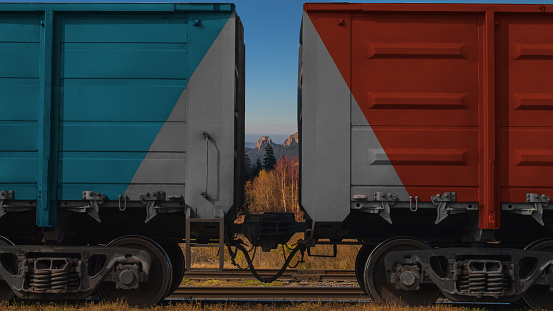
pixel 295 275
pixel 290 293
pixel 263 294
pixel 297 293
pixel 269 293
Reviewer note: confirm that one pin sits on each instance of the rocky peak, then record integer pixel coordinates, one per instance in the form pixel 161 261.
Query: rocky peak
pixel 264 141
pixel 293 139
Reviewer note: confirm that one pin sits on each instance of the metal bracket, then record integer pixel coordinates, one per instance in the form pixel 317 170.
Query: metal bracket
pixel 93 209
pixel 386 200
pixel 5 195
pixel 534 208
pixel 152 207
pixel 123 198
pixel 445 209
pixel 333 255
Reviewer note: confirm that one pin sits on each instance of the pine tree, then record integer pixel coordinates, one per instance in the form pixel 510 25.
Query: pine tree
pixel 256 168
pixel 269 160
pixel 248 170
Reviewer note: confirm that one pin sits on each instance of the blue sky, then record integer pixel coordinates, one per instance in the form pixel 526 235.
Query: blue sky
pixel 272 41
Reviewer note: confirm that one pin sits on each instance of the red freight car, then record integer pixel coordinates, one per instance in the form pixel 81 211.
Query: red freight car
pixel 432 121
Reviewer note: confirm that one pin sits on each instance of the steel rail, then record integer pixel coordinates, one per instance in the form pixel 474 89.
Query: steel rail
pixel 298 294
pixel 289 275
pixel 269 293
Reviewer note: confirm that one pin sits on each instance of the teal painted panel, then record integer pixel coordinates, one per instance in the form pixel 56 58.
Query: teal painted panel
pixel 125 60
pixel 205 7
pixel 125 28
pixel 120 80
pixel 108 136
pixel 46 209
pixel 13 170
pixel 101 155
pixel 117 7
pixel 119 99
pixel 98 170
pixel 202 37
pixel 19 95
pixel 23 60
pixel 19 28
pixel 22 136
pixel 18 99
pixel 115 50
pixel 21 191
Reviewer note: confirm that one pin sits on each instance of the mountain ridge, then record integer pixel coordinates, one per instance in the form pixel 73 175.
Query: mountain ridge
pixel 290 148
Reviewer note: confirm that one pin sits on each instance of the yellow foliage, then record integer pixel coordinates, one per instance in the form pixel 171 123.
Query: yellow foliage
pixel 275 190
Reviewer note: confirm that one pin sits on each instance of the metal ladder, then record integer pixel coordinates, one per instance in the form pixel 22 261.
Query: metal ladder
pixel 221 245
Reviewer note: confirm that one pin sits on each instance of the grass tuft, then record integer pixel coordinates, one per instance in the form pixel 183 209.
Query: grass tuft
pixel 197 306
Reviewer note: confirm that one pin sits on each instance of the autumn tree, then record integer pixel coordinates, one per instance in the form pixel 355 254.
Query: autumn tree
pixel 275 190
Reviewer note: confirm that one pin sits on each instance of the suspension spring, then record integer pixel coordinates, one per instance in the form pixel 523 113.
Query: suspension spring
pixel 497 283
pixel 54 280
pixel 73 280
pixel 477 283
pixel 463 281
pixel 60 280
pixel 40 280
pixel 482 283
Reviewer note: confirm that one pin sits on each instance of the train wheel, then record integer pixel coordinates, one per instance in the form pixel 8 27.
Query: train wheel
pixel 360 262
pixel 6 292
pixel 539 296
pixel 384 292
pixel 159 279
pixel 176 256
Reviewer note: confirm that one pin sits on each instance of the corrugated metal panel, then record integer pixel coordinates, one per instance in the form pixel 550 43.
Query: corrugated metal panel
pixel 445 97
pixel 119 79
pixel 104 87
pixel 525 97
pixel 20 44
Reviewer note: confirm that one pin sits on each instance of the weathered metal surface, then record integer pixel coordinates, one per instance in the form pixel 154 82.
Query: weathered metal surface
pixel 103 98
pixel 444 98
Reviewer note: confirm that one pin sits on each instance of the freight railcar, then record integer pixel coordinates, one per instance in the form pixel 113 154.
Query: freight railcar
pixel 424 136
pixel 426 132
pixel 123 124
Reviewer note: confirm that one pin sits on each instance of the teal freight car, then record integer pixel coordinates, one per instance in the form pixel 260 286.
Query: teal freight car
pixel 119 119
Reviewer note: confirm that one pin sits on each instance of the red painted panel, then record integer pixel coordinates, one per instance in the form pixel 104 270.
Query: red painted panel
pixel 416 70
pixel 416 80
pixel 526 103
pixel 459 95
pixel 426 159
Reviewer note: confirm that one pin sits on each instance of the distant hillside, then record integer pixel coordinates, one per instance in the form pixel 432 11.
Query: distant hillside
pixel 289 148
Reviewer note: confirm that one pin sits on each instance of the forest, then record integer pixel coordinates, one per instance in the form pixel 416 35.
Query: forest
pixel 272 186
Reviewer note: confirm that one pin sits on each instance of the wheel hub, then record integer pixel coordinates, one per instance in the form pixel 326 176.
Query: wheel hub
pixel 128 283
pixel 403 286
pixel 127 277
pixel 406 277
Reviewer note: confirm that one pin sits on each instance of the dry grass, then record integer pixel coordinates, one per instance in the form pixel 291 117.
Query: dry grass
pixel 207 257
pixel 194 306
pixel 217 282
